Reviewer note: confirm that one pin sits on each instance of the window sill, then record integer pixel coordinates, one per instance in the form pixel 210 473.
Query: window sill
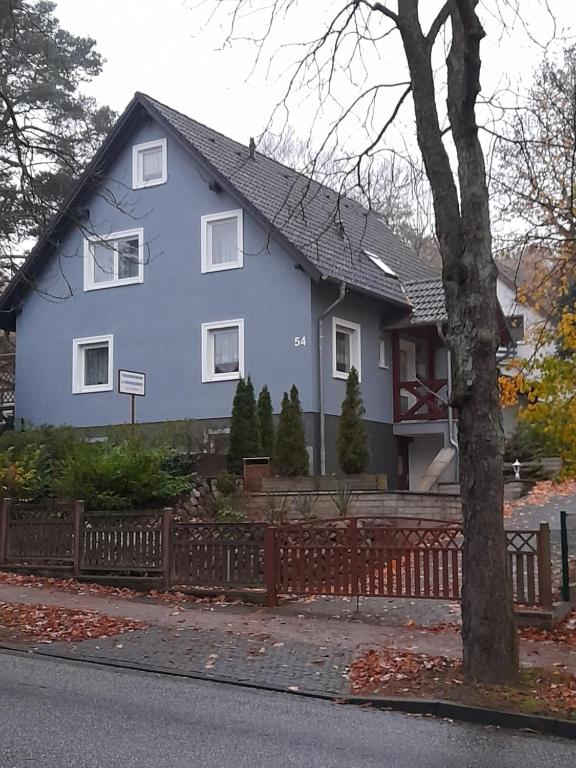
pixel 221 267
pixel 115 283
pixel 146 184
pixel 222 377
pixel 93 390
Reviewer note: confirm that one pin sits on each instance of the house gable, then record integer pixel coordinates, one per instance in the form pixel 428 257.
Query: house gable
pixel 157 323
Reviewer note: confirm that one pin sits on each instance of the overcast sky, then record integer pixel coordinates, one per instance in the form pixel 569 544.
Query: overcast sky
pixel 171 51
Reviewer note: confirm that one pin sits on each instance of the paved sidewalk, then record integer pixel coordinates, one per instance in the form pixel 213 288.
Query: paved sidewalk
pixel 260 659
pixel 297 646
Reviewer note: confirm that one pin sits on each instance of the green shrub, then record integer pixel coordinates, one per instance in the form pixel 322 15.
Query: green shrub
pixel 47 445
pixel 352 445
pixel 21 476
pixel 225 510
pixel 529 442
pixel 127 475
pixel 244 432
pixel 226 483
pixel 266 422
pixel 180 464
pixel 290 454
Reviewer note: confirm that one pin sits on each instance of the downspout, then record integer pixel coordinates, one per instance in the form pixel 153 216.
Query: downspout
pixel 321 375
pixel 451 435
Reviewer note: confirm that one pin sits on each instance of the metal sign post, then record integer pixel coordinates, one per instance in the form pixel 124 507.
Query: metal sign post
pixel 132 383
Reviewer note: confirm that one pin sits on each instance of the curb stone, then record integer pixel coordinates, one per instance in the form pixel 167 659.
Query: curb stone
pixel 436 707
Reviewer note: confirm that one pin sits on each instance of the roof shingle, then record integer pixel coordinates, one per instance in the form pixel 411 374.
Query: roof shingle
pixel 308 214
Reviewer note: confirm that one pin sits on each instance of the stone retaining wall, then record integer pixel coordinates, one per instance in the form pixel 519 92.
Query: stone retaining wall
pixel 435 506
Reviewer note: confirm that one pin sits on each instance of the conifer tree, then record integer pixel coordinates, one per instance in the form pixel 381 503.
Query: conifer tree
pixel 291 456
pixel 353 455
pixel 266 422
pixel 244 432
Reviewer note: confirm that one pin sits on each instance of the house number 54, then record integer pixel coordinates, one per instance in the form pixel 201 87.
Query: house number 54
pixel 299 341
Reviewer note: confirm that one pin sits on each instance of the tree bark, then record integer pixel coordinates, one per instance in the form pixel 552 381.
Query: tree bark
pixel 469 277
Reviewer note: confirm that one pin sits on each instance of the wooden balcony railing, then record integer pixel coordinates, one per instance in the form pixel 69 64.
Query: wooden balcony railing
pixel 421 400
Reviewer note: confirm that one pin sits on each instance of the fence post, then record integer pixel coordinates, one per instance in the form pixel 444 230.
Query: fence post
pixel 565 589
pixel 166 545
pixel 78 512
pixel 270 566
pixel 353 544
pixel 544 565
pixel 4 520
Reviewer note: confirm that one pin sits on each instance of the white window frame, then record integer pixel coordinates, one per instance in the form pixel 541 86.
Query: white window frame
pixel 208 374
pixel 90 261
pixel 355 347
pixel 382 354
pixel 137 180
pixel 78 346
pixel 206 258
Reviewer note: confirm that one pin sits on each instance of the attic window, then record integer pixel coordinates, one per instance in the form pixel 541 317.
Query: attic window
pixel 380 264
pixel 149 164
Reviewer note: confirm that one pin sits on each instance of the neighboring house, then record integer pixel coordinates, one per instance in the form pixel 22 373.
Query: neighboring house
pixel 7 361
pixel 527 327
pixel 192 258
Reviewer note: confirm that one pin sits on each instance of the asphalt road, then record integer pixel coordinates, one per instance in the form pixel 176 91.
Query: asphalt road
pixel 56 714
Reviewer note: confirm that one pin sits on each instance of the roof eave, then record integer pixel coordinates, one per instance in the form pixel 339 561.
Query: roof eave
pixel 18 285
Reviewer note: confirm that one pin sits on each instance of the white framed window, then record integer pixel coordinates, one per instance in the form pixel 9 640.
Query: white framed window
pixel 222 245
pixel 382 357
pixel 223 350
pixel 345 348
pixel 92 364
pixel 115 259
pixel 149 164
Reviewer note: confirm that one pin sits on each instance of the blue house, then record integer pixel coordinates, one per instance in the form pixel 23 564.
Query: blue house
pixel 197 260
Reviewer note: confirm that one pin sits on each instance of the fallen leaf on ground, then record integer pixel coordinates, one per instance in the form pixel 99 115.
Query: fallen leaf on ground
pixel 417 675
pixel 541 494
pixel 52 623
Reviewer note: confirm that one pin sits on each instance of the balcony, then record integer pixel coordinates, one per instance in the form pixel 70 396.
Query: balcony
pixel 421 400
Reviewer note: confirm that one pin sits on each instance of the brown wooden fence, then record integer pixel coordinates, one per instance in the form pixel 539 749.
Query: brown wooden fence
pixel 367 558
pixel 371 557
pixel 132 543
pixel 217 554
pixel 123 542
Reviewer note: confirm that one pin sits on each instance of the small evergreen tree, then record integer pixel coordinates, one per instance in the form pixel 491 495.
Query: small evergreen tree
pixel 290 456
pixel 244 432
pixel 266 422
pixel 353 455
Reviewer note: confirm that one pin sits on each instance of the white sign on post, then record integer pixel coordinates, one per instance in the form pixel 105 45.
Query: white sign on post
pixel 132 383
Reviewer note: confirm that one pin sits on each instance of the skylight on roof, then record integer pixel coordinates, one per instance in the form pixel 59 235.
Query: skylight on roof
pixel 380 263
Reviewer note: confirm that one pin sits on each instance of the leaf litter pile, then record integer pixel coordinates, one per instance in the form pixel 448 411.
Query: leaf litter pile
pixel 541 494
pixel 563 633
pixel 48 624
pixel 416 675
pixel 100 590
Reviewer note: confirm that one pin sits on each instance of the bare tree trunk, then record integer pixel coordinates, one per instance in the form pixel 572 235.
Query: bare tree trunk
pixel 469 276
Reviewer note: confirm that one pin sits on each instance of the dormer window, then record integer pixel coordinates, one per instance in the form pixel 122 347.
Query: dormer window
pixel 149 164
pixel 380 263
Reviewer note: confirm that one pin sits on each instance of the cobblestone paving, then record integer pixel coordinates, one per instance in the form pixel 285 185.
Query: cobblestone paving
pixel 256 659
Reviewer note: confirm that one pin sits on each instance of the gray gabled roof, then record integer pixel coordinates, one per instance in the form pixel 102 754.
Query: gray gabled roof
pixel 307 214
pixel 427 298
pixel 327 234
